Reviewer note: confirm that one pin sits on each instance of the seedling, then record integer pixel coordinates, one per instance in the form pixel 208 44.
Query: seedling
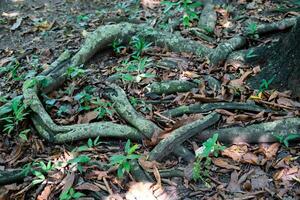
pixel 251 30
pixel 187 7
pixel 139 46
pixel 117 46
pixel 104 108
pixel 74 71
pixel 286 139
pixel 79 161
pixel 203 160
pixel 70 194
pixel 17 115
pixel 90 144
pixel 123 161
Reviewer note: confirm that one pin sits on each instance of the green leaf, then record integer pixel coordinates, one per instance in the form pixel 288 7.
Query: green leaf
pixel 133 157
pixel 133 149
pixel 127 146
pixel 96 141
pixel 80 159
pixel 120 172
pixel 90 143
pixel 126 166
pixel 77 195
pixel 117 159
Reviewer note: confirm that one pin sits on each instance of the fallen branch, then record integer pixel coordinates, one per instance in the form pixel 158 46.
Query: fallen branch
pixel 180 135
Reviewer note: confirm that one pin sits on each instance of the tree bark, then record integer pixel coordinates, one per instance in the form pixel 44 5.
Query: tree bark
pixel 280 61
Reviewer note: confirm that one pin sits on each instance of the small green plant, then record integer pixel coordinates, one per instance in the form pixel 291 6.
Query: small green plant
pixel 84 97
pixel 203 161
pixel 135 70
pixel 104 108
pixel 18 114
pixel 117 46
pixel 139 46
pixel 251 30
pixel 123 161
pixel 90 144
pixel 70 194
pixel 265 85
pixel 250 54
pixel 80 161
pixel 141 104
pixel 74 71
pixel 39 177
pixel 286 139
pixel 188 7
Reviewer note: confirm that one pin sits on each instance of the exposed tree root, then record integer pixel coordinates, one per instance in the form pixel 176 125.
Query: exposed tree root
pixel 147 127
pixel 208 17
pixel 8 177
pixel 275 26
pixel 256 133
pixel 169 87
pixel 202 108
pixel 178 136
pixel 142 128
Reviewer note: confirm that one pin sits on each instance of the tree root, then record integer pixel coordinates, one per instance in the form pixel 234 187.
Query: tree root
pixel 256 133
pixel 275 26
pixel 222 51
pixel 178 136
pixel 202 108
pixel 8 177
pixel 170 87
pixel 208 18
pixel 147 127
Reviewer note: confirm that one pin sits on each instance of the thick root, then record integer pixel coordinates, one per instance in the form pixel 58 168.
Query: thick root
pixel 256 133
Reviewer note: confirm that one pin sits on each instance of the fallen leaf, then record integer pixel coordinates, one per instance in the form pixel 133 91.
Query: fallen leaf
pixel 269 150
pixel 45 193
pixel 235 152
pixel 87 117
pixel 88 186
pixel 250 158
pixel 233 185
pixel 221 162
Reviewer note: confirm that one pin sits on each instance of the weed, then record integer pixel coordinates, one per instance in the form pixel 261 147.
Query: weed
pixel 265 85
pixel 70 194
pixel 187 7
pixel 90 144
pixel 79 161
pixel 117 46
pixel 286 139
pixel 74 71
pixel 104 108
pixel 251 30
pixel 139 46
pixel 203 160
pixel 123 161
pixel 18 114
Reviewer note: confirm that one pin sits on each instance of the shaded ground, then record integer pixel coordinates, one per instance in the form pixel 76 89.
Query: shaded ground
pixel 46 28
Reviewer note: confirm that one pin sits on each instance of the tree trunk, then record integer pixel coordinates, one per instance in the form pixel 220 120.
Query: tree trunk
pixel 280 61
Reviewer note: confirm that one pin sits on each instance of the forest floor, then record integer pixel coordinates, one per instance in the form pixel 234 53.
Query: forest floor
pixel 34 33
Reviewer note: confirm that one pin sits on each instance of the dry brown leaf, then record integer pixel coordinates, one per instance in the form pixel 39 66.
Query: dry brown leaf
pixel 45 193
pixel 88 186
pixel 250 158
pixel 234 185
pixel 221 162
pixel 269 150
pixel 235 152
pixel 68 182
pixel 87 117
